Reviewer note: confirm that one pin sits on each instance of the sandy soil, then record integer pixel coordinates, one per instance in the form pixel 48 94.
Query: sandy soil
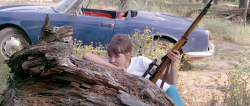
pixel 198 76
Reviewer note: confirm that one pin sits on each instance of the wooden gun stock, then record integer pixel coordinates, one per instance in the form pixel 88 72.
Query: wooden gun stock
pixel 181 42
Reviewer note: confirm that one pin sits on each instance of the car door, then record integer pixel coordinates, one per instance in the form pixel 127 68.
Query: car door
pixel 94 29
pixel 87 28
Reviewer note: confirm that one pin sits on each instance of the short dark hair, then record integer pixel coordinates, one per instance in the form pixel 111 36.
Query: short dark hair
pixel 120 44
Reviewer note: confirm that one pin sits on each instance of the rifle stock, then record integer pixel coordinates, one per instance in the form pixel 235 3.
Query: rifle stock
pixel 181 42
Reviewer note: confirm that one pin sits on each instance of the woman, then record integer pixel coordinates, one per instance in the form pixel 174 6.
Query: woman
pixel 119 52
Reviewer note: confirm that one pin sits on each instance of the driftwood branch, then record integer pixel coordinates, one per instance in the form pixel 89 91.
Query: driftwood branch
pixel 245 13
pixel 48 74
pixel 227 14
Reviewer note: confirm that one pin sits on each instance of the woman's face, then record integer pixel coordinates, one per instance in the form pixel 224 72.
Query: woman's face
pixel 119 60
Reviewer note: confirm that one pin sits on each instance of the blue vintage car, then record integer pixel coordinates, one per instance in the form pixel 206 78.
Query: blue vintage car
pixel 22 24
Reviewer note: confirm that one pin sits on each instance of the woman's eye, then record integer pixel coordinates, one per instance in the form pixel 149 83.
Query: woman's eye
pixel 117 56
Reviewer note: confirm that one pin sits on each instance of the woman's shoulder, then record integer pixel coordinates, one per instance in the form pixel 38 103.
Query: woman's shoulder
pixel 141 58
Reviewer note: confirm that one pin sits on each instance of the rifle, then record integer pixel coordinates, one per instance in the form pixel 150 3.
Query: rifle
pixel 181 42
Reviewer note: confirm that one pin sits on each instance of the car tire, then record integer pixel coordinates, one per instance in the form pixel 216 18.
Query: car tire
pixel 11 39
pixel 165 42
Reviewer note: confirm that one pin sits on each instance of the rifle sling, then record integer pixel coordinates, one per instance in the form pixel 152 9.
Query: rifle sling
pixel 165 76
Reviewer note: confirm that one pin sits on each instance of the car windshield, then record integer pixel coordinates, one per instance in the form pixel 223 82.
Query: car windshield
pixel 68 6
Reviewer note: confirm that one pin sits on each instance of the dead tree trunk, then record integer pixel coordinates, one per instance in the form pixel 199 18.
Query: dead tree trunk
pixel 205 1
pixel 48 74
pixel 217 2
pixel 243 4
pixel 123 4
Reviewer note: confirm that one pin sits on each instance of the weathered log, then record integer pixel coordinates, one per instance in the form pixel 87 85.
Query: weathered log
pixel 220 13
pixel 48 74
pixel 230 16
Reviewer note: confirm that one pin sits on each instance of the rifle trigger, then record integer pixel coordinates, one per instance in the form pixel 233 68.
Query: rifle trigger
pixel 151 65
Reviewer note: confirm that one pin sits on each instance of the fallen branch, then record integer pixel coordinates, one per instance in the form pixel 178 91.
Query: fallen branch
pixel 221 13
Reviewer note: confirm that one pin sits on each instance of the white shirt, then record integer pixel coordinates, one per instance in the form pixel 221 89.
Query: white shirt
pixel 139 65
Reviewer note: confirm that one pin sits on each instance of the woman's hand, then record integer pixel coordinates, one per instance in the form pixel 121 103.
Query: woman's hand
pixel 174 56
pixel 120 68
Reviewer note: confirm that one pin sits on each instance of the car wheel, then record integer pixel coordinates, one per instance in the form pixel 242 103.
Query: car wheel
pixel 166 42
pixel 11 40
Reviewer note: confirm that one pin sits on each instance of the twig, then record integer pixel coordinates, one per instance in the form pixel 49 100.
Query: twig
pixel 134 2
pixel 230 16
pixel 245 14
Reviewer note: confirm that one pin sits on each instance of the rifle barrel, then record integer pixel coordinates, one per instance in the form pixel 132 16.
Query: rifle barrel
pixel 181 42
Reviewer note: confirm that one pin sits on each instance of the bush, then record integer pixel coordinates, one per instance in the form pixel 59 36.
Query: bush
pixel 144 45
pixel 235 91
pixel 4 74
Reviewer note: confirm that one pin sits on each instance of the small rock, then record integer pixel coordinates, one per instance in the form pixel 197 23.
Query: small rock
pixel 1 92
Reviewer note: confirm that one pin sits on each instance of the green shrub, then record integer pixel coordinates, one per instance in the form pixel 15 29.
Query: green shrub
pixel 4 74
pixel 80 49
pixel 235 89
pixel 144 45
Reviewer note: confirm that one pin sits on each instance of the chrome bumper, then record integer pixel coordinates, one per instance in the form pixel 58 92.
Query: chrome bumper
pixel 200 55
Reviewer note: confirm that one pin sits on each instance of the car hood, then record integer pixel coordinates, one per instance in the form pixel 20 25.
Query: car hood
pixel 174 19
pixel 27 8
pixel 164 17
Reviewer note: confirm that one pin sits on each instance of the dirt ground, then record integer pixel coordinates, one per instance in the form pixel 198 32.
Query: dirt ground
pixel 198 76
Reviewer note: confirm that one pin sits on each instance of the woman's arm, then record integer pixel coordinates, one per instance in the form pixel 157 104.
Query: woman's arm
pixel 172 73
pixel 98 60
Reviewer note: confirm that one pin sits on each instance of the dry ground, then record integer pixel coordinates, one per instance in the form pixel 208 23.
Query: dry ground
pixel 198 76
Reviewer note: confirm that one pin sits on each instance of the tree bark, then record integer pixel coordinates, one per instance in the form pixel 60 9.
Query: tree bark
pixel 243 3
pixel 205 1
pixel 217 2
pixel 123 4
pixel 48 74
pixel 245 13
pixel 192 1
